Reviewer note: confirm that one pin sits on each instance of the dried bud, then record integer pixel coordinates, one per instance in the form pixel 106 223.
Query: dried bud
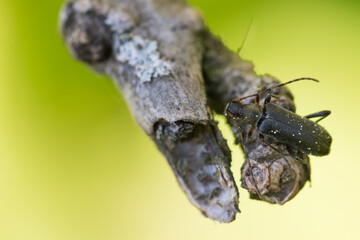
pixel 86 34
pixel 275 181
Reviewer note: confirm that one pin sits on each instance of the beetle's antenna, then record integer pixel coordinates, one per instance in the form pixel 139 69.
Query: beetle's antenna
pixel 272 88
pixel 286 83
pixel 246 35
pixel 251 172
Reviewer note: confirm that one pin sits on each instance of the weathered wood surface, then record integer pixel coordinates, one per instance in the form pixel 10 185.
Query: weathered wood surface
pixel 174 74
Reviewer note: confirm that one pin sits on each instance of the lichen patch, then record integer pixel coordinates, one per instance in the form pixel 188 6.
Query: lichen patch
pixel 142 54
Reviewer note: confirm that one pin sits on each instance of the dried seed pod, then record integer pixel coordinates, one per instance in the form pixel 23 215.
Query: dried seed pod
pixel 276 181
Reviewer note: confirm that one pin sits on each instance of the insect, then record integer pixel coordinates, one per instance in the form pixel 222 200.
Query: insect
pixel 277 124
pixel 281 125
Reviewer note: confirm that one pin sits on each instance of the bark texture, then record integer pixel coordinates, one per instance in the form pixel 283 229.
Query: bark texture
pixel 173 72
pixel 265 174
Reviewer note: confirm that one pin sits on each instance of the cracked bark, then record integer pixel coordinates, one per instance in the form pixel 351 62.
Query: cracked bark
pixel 172 73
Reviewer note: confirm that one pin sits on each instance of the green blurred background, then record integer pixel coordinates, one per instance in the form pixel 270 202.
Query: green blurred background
pixel 74 165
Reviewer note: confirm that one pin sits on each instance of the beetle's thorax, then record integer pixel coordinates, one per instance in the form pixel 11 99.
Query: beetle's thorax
pixel 249 113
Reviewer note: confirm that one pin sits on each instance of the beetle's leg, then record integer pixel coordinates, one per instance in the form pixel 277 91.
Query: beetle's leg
pixel 276 150
pixel 249 134
pixel 252 175
pixel 258 96
pixel 267 99
pixel 269 96
pixel 257 99
pixel 251 168
pixel 303 161
pixel 247 157
pixel 322 114
pixel 253 178
pixel 262 138
pixel 275 96
pixel 291 152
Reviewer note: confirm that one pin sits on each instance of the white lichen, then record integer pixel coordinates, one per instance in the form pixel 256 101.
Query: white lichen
pixel 142 54
pixel 119 21
pixel 83 6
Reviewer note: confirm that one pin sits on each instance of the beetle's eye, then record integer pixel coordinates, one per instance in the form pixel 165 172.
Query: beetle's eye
pixel 233 108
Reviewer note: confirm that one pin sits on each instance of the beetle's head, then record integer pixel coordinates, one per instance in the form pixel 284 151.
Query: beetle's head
pixel 233 109
pixel 249 113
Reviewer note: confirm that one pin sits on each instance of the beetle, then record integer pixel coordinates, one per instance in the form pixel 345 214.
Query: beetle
pixel 281 125
pixel 276 123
